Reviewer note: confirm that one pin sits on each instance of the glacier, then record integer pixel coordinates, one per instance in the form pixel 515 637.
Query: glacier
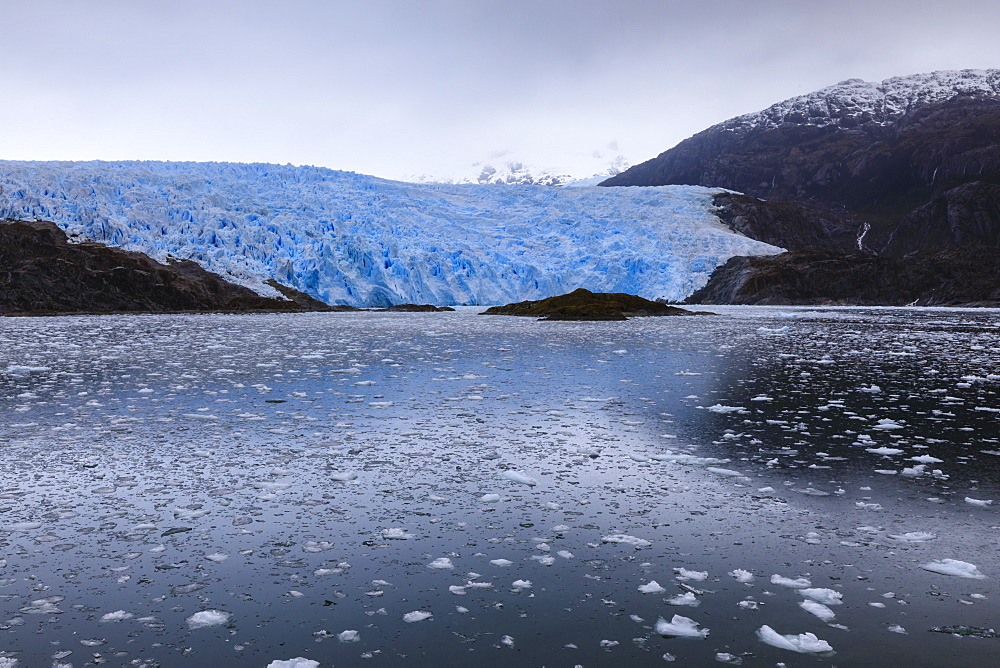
pixel 348 238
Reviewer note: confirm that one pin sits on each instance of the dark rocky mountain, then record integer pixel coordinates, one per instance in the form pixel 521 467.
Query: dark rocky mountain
pixel 915 161
pixel 964 276
pixel 41 272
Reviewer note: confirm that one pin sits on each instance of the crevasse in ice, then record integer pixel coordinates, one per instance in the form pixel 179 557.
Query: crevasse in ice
pixel 348 238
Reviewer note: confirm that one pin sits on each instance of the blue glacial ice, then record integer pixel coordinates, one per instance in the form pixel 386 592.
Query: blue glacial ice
pixel 347 238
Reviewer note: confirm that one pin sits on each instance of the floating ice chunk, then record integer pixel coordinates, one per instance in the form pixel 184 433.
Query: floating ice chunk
pixel 565 554
pixel 804 643
pixel 20 526
pixel 217 556
pixel 818 609
pixel 315 547
pixel 638 458
pixel 344 476
pixel 652 587
pixel 503 563
pixel 518 585
pixel 207 618
pixel 544 560
pixel 441 563
pixel 982 503
pixel 680 627
pixel 687 598
pixel 769 330
pixel 457 590
pixel 518 477
pixel 884 451
pixel 117 616
pixel 873 389
pixel 44 606
pixel 887 424
pixel 955 567
pixel 824 596
pixel 396 534
pixel 489 498
pixel 417 616
pixel 297 662
pixel 913 536
pixel 348 636
pixel 725 472
pixel 797 583
pixel 896 628
pixel 926 459
pixel 685 574
pixel 720 408
pixel 188 514
pixel 625 539
pixel 742 575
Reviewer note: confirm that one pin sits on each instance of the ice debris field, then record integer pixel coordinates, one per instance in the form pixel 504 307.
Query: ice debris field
pixel 347 238
pixel 797 486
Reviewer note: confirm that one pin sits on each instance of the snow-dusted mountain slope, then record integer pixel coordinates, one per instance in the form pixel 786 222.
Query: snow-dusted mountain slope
pixel 855 102
pixel 353 239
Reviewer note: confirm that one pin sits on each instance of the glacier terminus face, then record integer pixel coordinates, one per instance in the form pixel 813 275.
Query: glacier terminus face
pixel 347 238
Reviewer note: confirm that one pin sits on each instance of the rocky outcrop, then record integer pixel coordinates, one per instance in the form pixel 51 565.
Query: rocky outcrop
pixel 913 162
pixel 957 276
pixel 583 304
pixel 41 272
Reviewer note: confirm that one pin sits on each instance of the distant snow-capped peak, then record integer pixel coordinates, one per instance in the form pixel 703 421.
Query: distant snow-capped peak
pixel 515 167
pixel 855 102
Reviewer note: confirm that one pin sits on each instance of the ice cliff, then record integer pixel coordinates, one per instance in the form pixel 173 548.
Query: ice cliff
pixel 352 239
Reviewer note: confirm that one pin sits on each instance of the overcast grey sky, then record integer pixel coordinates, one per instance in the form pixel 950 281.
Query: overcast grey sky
pixel 394 87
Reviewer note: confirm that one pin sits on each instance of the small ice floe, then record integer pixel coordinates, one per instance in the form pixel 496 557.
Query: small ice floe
pixel 343 476
pixel 804 643
pixel 489 498
pixel 207 618
pixel 348 636
pixel 520 585
pixel 44 606
pixel 20 526
pixel 886 424
pixel 625 539
pixel 297 662
pixel 503 563
pixel 884 451
pixel 396 534
pixel 442 563
pixel 457 590
pixel 926 459
pixel 913 536
pixel 417 616
pixel 565 554
pixel 761 397
pixel 742 575
pixel 117 616
pixel 316 546
pixel 818 609
pixel 680 627
pixel 773 331
pixel 687 598
pixel 720 408
pixel 518 477
pixel 652 587
pixel 824 596
pixel 217 556
pixel 873 389
pixel 896 628
pixel 749 604
pixel 724 472
pixel 797 583
pixel 685 574
pixel 543 560
pixel 271 486
pixel 967 631
pixel 861 505
pixel 982 503
pixel 954 567
pixel 638 458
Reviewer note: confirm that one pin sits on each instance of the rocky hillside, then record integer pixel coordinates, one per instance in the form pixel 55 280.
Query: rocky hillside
pixel 910 163
pixel 41 272
pixel 955 277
